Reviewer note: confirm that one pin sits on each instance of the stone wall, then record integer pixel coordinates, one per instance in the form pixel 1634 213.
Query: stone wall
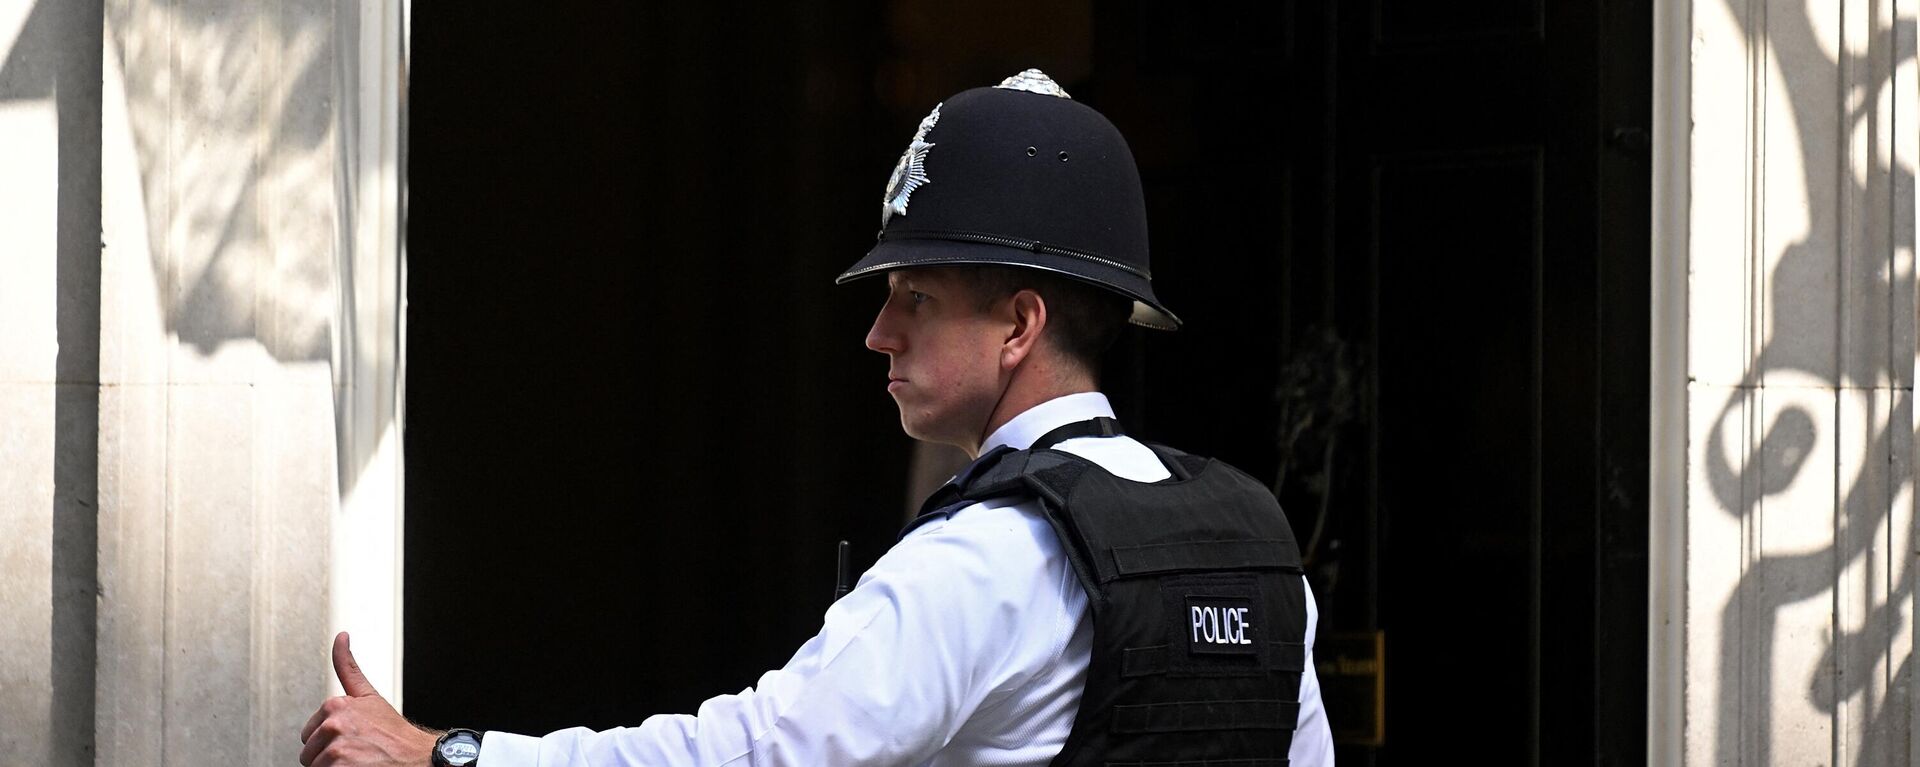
pixel 200 296
pixel 1783 434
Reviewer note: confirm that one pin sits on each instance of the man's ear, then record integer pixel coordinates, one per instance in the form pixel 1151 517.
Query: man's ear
pixel 1029 320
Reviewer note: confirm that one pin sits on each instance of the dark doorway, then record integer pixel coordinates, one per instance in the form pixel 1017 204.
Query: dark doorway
pixel 1409 240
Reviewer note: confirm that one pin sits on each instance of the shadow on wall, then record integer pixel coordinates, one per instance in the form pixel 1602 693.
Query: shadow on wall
pixel 213 118
pixel 240 122
pixel 42 63
pixel 1807 370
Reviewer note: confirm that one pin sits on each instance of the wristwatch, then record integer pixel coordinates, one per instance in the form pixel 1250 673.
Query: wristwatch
pixel 457 748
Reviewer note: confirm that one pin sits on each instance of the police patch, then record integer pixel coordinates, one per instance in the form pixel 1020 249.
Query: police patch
pixel 911 172
pixel 1221 625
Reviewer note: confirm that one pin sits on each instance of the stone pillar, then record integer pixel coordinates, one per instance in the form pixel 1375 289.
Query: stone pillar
pixel 1784 556
pixel 201 281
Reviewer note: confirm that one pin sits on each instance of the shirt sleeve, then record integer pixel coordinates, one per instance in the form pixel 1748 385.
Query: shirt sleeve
pixel 1312 735
pixel 900 663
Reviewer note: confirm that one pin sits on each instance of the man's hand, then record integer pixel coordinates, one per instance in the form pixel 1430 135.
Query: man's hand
pixel 360 729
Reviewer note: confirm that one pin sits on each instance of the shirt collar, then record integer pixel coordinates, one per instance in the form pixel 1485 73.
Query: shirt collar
pixel 1028 426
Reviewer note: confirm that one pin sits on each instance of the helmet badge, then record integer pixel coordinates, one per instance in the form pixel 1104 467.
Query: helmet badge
pixel 911 172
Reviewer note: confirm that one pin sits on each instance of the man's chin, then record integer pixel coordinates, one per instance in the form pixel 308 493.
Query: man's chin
pixel 917 428
pixel 914 433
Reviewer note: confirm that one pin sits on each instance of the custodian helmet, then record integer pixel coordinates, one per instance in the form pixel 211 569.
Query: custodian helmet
pixel 1020 175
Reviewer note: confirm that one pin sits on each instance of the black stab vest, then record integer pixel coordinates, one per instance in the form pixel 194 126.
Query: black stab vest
pixel 1199 612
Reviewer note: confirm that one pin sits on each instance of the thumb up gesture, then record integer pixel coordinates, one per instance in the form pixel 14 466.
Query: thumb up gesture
pixel 360 729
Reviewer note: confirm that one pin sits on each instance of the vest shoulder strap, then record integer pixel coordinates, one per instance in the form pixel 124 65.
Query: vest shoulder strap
pixel 1049 474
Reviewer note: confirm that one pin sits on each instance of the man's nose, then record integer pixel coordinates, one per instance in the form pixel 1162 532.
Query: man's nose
pixel 877 339
pixel 882 337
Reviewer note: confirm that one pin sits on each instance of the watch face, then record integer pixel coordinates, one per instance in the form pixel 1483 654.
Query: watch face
pixel 460 749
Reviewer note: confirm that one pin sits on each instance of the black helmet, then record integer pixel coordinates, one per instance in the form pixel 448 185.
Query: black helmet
pixel 1020 175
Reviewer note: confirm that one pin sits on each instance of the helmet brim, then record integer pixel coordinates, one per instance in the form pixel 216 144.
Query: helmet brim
pixel 889 255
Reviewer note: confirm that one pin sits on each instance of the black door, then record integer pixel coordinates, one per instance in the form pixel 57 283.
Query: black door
pixel 1474 157
pixel 1415 235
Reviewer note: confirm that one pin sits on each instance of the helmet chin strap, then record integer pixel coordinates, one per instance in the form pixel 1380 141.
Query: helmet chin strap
pixel 981 439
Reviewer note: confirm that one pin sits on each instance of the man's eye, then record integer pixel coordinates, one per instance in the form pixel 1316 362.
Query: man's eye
pixel 918 297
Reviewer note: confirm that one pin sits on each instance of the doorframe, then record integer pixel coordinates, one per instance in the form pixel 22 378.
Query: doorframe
pixel 366 558
pixel 1667 400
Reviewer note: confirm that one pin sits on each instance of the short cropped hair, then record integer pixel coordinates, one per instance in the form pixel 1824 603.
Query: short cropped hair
pixel 1083 321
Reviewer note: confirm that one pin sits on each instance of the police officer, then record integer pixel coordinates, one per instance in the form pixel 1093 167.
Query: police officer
pixel 1074 596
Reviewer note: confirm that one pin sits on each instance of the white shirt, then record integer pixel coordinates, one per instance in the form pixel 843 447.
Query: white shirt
pixel 966 644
